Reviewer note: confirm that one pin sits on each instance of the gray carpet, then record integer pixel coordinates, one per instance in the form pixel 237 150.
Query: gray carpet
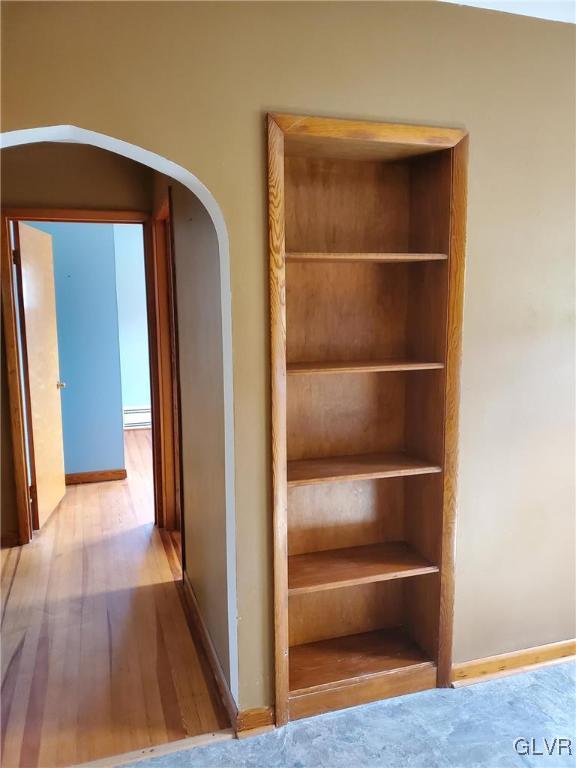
pixel 471 727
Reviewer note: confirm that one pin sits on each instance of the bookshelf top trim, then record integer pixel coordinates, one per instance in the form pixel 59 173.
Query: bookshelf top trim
pixel 306 136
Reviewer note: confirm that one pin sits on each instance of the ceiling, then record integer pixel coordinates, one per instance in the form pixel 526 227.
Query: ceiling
pixel 553 10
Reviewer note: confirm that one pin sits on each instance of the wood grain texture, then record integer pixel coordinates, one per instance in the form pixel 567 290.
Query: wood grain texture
pixel 324 321
pixel 421 600
pixel 452 403
pixel 277 249
pixel 369 214
pixel 36 268
pixel 258 717
pixel 97 655
pixel 391 133
pixel 342 258
pixel 174 342
pixel 396 682
pixel 357 414
pixel 430 206
pixel 345 415
pixel 360 366
pixel 346 611
pixel 165 406
pixel 169 748
pixel 25 374
pixel 156 388
pixel 330 663
pixel 363 140
pixel 468 672
pixel 331 569
pixel 252 732
pixel 352 514
pixel 367 467
pixel 15 383
pixel 77 214
pixel 338 206
pixel 102 476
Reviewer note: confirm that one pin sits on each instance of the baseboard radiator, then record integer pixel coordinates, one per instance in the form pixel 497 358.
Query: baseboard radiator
pixel 137 418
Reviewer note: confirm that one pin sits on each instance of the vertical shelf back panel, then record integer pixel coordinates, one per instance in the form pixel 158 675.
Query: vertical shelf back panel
pixel 366 259
pixel 323 311
pixel 337 515
pixel 366 206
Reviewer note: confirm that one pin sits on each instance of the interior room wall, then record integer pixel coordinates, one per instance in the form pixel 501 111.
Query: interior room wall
pixel 200 332
pixel 132 317
pixel 51 175
pixel 88 345
pixel 215 70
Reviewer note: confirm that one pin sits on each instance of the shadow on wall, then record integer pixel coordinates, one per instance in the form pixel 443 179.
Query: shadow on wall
pixel 203 435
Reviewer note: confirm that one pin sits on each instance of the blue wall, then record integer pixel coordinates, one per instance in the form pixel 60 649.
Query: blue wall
pixel 86 306
pixel 132 321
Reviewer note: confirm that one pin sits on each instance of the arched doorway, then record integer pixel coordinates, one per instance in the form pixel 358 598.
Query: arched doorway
pixel 208 208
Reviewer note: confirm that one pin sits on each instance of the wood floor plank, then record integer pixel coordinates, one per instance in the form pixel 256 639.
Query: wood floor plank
pixel 24 614
pixel 98 658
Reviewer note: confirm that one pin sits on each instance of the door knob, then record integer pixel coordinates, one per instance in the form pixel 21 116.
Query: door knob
pixel 60 385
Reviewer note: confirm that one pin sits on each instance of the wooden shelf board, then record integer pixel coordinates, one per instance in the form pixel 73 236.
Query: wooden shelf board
pixel 361 366
pixel 346 660
pixel 334 258
pixel 363 467
pixel 334 568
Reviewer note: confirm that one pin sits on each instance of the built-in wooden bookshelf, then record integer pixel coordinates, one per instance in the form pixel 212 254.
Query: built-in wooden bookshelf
pixel 366 275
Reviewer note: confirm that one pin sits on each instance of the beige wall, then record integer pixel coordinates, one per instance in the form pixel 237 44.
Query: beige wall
pixel 53 175
pixel 192 81
pixel 201 376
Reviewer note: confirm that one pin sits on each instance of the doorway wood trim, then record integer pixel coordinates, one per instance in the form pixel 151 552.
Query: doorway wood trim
pixel 163 329
pixel 163 367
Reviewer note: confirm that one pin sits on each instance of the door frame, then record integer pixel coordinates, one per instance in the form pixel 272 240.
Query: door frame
pixel 162 342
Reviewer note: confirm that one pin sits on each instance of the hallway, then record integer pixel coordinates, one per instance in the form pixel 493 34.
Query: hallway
pixel 97 655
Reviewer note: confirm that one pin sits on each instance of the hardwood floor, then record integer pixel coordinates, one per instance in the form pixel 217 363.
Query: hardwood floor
pixel 97 655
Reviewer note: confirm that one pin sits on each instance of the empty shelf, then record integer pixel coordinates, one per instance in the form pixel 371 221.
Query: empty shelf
pixel 329 663
pixel 364 467
pixel 334 258
pixel 361 366
pixel 335 568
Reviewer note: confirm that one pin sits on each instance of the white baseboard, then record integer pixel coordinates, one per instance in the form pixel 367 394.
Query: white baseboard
pixel 137 418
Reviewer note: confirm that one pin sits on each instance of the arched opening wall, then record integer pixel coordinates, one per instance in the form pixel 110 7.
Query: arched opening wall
pixel 205 352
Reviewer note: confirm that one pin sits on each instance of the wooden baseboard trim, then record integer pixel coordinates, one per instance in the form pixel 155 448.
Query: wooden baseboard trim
pixel 102 476
pixel 398 682
pixel 469 672
pixel 259 719
pixel 209 650
pixel 254 732
pixel 162 749
pixel 249 722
